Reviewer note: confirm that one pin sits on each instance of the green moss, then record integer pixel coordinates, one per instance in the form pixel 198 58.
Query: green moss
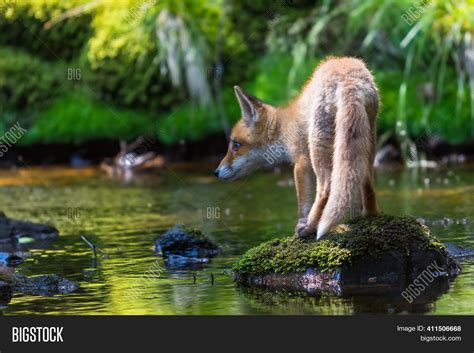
pixel 361 237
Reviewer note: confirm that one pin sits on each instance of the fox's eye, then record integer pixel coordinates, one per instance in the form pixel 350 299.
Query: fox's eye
pixel 235 145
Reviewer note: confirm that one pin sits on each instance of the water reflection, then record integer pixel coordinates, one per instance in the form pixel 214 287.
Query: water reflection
pixel 124 220
pixel 387 300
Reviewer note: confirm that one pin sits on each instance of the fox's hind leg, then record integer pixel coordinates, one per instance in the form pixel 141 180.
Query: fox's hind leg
pixel 368 196
pixel 368 188
pixel 323 186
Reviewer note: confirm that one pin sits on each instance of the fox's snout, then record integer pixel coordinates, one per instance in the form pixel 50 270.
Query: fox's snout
pixel 218 172
pixel 224 171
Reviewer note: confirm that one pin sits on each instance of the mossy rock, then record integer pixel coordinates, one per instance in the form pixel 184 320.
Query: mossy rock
pixel 381 251
pixel 181 246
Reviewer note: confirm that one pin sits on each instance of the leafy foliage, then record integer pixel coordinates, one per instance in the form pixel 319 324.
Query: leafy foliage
pixel 177 61
pixel 73 116
pixel 27 82
pixel 22 25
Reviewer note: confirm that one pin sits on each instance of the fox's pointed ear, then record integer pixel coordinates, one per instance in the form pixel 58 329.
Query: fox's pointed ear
pixel 249 105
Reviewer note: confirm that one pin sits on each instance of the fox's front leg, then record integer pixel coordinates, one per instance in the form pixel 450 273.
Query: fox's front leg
pixel 304 183
pixel 321 155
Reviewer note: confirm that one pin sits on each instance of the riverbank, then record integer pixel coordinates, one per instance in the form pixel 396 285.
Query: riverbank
pixel 94 152
pixel 211 150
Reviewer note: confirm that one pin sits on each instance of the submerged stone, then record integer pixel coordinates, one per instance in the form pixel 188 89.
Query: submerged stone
pixel 45 285
pixel 181 246
pixel 15 230
pixel 5 292
pixel 367 254
pixel 458 252
pixel 9 259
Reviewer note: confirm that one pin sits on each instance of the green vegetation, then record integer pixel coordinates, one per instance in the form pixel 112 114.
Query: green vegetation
pixel 74 116
pixel 168 67
pixel 359 238
pixel 26 81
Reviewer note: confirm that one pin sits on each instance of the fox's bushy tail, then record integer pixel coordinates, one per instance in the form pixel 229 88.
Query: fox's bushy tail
pixel 351 159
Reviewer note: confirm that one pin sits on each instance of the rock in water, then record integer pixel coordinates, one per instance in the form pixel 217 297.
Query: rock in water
pixel 367 255
pixel 458 252
pixel 5 293
pixel 182 246
pixel 46 285
pixel 11 229
pixel 9 259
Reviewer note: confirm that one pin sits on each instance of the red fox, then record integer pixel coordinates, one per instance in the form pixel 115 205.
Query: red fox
pixel 328 131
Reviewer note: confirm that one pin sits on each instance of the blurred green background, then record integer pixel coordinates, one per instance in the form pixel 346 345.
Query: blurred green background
pixel 73 71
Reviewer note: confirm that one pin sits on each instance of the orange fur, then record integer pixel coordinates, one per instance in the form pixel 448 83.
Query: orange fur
pixel 327 131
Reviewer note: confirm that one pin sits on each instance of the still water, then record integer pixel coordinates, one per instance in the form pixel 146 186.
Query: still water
pixel 124 219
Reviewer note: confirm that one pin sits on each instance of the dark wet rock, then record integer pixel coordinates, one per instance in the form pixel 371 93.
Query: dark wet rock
pixel 18 237
pixel 183 246
pixel 13 230
pixel 5 292
pixel 9 259
pixel 180 259
pixel 46 285
pixel 457 251
pixel 367 255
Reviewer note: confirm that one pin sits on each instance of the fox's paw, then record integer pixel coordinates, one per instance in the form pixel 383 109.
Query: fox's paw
pixel 303 229
pixel 301 224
